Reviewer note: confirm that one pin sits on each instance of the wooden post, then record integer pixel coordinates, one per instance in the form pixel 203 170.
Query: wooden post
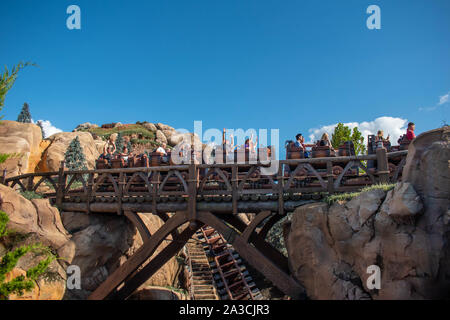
pixel 3 177
pixel 90 184
pixel 61 185
pixel 119 196
pixel 330 187
pixel 280 189
pixel 30 183
pixel 192 192
pixel 155 184
pixel 235 186
pixel 382 165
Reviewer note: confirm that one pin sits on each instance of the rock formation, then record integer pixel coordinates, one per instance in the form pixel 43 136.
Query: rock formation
pixel 85 126
pixel 36 221
pixel 59 142
pixel 406 232
pixel 23 139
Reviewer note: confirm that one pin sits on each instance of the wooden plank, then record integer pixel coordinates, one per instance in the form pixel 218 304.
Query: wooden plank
pixel 139 224
pixel 154 265
pixel 280 190
pixel 141 255
pixel 192 192
pixel 382 165
pixel 278 277
pixel 61 185
pixel 260 217
pixel 330 184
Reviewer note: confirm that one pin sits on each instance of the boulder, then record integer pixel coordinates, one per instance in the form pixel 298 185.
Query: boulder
pixel 162 126
pixel 35 216
pixel 340 242
pixel 176 138
pixel 22 213
pixel 37 222
pixel 403 201
pixel 149 126
pixel 24 140
pixel 160 137
pixel 59 142
pixel 99 145
pixel 168 133
pixel 85 126
pixel 157 293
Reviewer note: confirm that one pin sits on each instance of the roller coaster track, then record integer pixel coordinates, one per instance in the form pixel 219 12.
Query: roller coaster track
pixel 231 277
pixel 200 281
pixel 215 269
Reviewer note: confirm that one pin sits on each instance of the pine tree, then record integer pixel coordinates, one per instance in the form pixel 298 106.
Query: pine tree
pixel 74 156
pixel 119 143
pixel 24 116
pixel 39 123
pixel 343 133
pixel 129 147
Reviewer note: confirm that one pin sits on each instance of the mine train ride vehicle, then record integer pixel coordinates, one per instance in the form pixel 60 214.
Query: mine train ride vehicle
pixel 306 175
pixel 211 179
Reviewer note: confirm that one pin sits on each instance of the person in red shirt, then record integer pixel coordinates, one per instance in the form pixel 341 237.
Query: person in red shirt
pixel 410 131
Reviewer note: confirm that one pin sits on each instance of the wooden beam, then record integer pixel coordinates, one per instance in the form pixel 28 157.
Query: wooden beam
pixel 278 277
pixel 139 224
pixel 141 255
pixel 154 265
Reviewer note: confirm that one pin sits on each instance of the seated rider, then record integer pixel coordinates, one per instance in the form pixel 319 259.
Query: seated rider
pixel 124 154
pixel 108 152
pixel 299 141
pixel 410 135
pixel 324 141
pixel 380 138
pixel 161 149
pixel 229 148
pixel 249 145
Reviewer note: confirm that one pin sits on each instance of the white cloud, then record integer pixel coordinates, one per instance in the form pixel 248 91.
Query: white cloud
pixel 48 128
pixel 442 100
pixel 395 127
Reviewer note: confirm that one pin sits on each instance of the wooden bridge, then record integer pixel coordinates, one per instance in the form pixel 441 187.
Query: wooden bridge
pixel 187 197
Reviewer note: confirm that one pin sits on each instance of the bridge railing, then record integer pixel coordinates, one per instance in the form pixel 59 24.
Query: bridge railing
pixel 231 181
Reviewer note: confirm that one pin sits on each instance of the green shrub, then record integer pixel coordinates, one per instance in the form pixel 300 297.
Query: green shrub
pixel 30 195
pixel 347 196
pixel 9 261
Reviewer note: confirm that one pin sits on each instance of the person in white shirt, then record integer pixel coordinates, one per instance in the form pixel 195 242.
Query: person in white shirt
pixel 162 149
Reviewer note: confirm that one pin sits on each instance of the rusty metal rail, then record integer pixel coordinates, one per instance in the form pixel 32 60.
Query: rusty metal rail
pixel 232 279
pixel 200 277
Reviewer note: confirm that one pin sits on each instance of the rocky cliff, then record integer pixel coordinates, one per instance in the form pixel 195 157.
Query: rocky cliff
pixel 405 232
pixel 25 141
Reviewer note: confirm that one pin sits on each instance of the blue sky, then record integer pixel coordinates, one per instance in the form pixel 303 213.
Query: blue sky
pixel 292 65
